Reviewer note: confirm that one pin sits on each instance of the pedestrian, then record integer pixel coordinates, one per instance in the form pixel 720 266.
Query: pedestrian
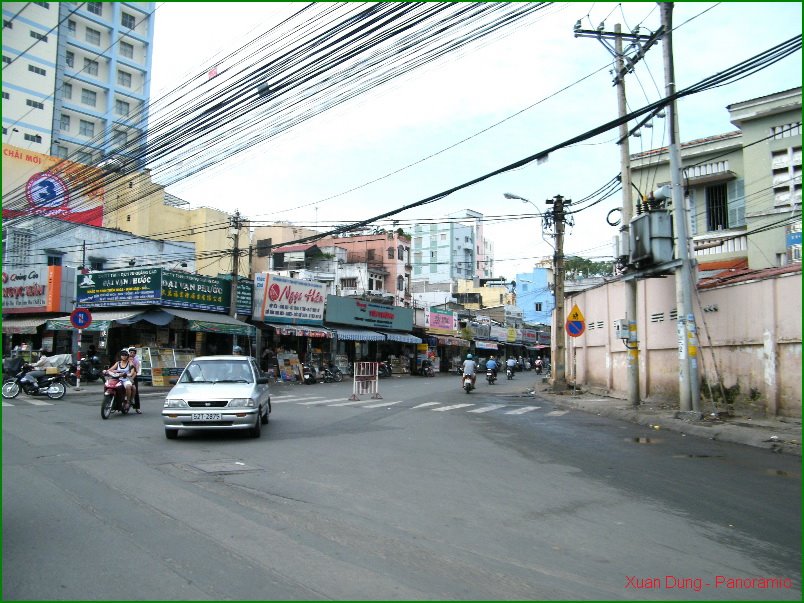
pixel 132 354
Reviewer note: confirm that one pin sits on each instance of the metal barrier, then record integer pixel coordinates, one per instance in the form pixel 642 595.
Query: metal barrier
pixel 366 380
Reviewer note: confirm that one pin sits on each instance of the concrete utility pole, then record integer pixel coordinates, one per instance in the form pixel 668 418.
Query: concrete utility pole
pixel 688 384
pixel 235 231
pixel 625 169
pixel 559 360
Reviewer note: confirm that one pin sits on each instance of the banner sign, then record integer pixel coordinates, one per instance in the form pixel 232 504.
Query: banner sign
pixel 441 321
pixel 192 291
pixel 350 311
pixel 498 333
pixel 37 184
pixel 32 290
pixel 279 299
pixel 530 336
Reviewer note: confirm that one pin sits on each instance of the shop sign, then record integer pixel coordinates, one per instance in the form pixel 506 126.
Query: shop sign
pixel 544 338
pixel 350 311
pixel 193 291
pixel 140 286
pixel 442 321
pixel 280 299
pixel 530 336
pixel 32 290
pixel 245 295
pixel 498 333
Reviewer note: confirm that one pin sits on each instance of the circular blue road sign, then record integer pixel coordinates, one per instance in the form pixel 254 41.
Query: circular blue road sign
pixel 80 318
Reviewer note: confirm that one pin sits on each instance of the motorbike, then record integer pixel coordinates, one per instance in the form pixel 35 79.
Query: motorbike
pixel 468 386
pixel 308 374
pixel 509 372
pixel 35 383
pixel 331 374
pixel 491 377
pixel 427 369
pixel 538 368
pixel 384 369
pixel 90 369
pixel 114 396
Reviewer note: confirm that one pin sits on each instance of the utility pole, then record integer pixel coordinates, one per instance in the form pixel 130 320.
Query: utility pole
pixel 621 69
pixel 558 364
pixel 688 385
pixel 235 231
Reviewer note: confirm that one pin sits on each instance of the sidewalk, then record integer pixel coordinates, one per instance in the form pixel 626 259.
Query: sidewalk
pixel 777 434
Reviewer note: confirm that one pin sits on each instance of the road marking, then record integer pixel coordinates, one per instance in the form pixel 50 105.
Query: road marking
pixel 427 404
pixel 39 403
pixel 488 408
pixel 523 410
pixel 453 407
pixel 320 401
pixel 556 413
pixel 6 403
pixel 352 403
pixel 382 404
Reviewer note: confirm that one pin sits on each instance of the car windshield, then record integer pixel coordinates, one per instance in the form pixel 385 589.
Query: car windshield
pixel 217 371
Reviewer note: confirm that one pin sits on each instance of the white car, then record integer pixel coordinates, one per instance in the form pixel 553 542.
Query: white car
pixel 218 392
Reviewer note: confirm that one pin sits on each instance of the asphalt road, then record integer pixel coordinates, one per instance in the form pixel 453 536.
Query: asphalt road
pixel 414 496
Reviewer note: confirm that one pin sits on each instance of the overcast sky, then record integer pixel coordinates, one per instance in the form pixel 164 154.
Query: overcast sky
pixel 431 109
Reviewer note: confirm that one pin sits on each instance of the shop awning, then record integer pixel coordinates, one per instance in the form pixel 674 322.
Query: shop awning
pixel 101 319
pixel 400 337
pixel 456 341
pixel 534 348
pixel 209 322
pixel 301 330
pixel 486 345
pixel 21 326
pixel 359 335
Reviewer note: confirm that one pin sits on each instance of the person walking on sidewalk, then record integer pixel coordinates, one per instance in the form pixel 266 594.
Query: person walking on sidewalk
pixel 132 355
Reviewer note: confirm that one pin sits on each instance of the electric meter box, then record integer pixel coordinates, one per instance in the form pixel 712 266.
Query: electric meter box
pixel 621 329
pixel 651 239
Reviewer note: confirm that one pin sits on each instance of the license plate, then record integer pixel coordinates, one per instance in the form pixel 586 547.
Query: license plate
pixel 206 416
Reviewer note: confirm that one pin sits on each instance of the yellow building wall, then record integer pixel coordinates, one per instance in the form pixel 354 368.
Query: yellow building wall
pixel 489 295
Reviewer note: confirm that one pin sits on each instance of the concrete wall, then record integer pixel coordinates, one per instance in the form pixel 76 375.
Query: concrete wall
pixel 750 334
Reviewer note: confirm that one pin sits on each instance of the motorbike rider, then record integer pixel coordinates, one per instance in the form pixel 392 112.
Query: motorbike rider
pixel 491 365
pixel 511 363
pixel 125 372
pixel 469 368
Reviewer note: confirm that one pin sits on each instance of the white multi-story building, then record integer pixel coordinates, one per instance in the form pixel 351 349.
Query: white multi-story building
pixel 76 77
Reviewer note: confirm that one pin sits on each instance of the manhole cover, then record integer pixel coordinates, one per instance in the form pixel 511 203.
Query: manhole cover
pixel 223 467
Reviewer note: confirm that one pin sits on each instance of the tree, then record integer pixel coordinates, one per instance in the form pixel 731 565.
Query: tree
pixel 576 268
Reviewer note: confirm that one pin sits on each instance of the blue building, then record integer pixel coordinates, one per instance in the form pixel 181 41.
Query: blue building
pixel 534 296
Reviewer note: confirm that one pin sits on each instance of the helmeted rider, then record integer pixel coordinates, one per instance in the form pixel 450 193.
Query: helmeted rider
pixel 469 368
pixel 125 371
pixel 511 363
pixel 491 365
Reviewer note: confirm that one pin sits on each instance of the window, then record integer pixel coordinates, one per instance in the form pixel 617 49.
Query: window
pixel 7 24
pixel 121 107
pixel 390 253
pixel 128 21
pixel 37 36
pixel 400 253
pixel 6 59
pixel 119 138
pixel 96 264
pixel 67 91
pixel 6 96
pixel 34 104
pixel 88 97
pixel 82 157
pixel 127 50
pixel 86 128
pixel 70 59
pixel 443 236
pixel 54 260
pixel 717 213
pixel 91 67
pixel 786 130
pixel 33 138
pixel 349 283
pixel 61 152
pixel 538 306
pixel 96 8
pixel 43 5
pixel 65 122
pixel 400 283
pixel 5 131
pixel 93 36
pixel 786 172
pixel 124 79
pixel 71 26
pixel 370 255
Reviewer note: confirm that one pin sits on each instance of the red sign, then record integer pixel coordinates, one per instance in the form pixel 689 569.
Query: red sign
pixel 81 318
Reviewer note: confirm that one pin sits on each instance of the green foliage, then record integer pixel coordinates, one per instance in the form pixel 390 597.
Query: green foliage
pixel 576 268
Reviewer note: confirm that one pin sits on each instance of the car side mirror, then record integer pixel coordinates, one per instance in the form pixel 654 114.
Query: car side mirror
pixel 263 380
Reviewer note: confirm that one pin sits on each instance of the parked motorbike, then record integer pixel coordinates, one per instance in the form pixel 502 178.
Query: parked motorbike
pixel 468 386
pixel 331 374
pixel 308 374
pixel 427 369
pixel 509 372
pixel 384 369
pixel 91 369
pixel 114 396
pixel 35 383
pixel 491 376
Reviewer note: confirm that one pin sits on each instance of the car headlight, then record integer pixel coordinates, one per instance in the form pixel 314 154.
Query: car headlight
pixel 241 403
pixel 175 403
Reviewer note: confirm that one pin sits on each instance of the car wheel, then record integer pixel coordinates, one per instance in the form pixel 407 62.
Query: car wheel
pixel 256 431
pixel 264 418
pixel 171 434
pixel 11 389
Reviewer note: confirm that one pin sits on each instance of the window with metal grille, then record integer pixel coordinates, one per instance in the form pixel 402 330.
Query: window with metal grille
pixel 88 97
pixel 45 5
pixel 128 21
pixel 717 210
pixel 124 78
pixel 786 173
pixel 70 58
pixel 36 70
pixel 86 128
pixel 90 67
pixel 6 59
pixel 93 36
pixel 65 122
pixel 33 138
pixel 96 8
pixel 7 24
pixel 71 26
pixel 538 306
pixel 390 253
pixel 34 104
pixel 127 50
pixel 400 283
pixel 37 36
pixel 121 107
pixel 67 91
pixel 6 96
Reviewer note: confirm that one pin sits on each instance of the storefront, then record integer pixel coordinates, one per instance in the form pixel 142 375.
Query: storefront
pixel 286 347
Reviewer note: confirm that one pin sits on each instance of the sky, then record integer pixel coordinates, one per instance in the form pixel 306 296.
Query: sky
pixel 517 78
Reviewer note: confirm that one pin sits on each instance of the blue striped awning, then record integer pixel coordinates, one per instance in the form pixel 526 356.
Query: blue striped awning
pixel 401 337
pixel 359 335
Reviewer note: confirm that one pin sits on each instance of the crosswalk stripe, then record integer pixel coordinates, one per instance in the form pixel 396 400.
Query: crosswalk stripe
pixel 488 408
pixel 523 410
pixel 382 404
pixel 39 403
pixel 319 401
pixel 453 407
pixel 352 403
pixel 556 413
pixel 427 404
